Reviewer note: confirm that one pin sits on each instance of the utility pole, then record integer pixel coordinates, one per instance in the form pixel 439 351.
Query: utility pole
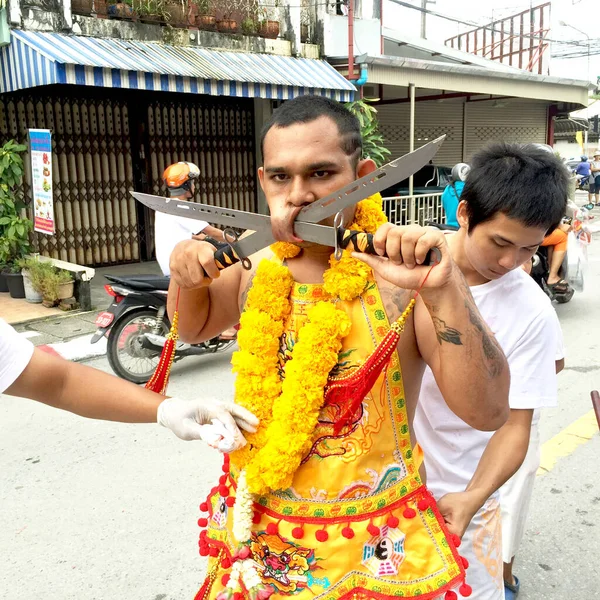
pixel 424 4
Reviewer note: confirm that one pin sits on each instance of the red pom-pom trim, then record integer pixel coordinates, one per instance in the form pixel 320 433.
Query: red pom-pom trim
pixel 393 522
pixel 223 479
pixel 455 540
pixel 224 491
pixel 244 552
pixel 272 529
pixel 230 501
pixel 214 552
pixel 450 595
pixel 298 533
pixel 465 563
pixel 204 507
pixel 202 522
pixel 348 532
pixel 465 590
pixel 226 563
pixel 225 467
pixel 204 550
pixel 238 596
pixel 322 535
pixel 225 579
pixel 256 518
pixel 423 504
pixel 409 513
pixel 373 529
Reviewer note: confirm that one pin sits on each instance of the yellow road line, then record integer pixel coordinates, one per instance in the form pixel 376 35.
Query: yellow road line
pixel 567 441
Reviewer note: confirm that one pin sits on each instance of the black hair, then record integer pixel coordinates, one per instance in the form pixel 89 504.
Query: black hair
pixel 306 109
pixel 526 182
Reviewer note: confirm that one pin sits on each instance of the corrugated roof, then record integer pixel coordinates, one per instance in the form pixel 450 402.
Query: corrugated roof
pixel 38 58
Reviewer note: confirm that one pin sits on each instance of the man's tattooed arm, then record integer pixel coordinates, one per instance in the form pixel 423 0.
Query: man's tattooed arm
pixel 244 296
pixel 445 333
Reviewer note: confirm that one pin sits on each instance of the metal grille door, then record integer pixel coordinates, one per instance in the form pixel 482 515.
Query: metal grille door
pixel 96 222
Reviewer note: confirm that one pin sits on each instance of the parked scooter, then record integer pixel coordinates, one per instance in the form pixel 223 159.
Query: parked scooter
pixel 136 326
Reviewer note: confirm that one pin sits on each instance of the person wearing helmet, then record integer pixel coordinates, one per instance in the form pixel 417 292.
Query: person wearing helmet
pixel 451 195
pixel 169 230
pixel 595 178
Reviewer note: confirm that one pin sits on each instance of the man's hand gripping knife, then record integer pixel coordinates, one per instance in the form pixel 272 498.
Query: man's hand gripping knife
pixel 464 356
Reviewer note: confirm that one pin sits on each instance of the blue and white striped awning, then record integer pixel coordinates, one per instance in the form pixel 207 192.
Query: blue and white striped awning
pixel 34 58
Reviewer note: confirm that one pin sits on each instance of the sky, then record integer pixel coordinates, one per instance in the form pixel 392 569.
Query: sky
pixel 582 14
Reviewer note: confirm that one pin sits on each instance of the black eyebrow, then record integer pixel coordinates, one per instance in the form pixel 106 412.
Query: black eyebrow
pixel 512 244
pixel 318 166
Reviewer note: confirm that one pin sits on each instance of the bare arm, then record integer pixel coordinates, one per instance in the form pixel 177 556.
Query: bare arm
pixel 502 458
pixel 84 391
pixel 208 298
pixel 214 232
pixel 467 361
pixel 463 354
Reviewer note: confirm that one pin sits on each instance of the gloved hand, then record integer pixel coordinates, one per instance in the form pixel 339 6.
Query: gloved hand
pixel 217 423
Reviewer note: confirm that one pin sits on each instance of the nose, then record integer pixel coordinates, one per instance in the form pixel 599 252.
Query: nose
pixel 300 193
pixel 510 260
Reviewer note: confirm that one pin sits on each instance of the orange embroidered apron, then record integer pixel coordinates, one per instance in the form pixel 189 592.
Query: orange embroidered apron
pixel 357 523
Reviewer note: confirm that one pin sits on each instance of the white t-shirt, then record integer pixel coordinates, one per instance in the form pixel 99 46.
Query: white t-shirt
pixel 169 230
pixel 525 324
pixel 15 354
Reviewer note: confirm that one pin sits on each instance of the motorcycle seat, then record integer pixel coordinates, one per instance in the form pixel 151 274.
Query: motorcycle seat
pixel 141 282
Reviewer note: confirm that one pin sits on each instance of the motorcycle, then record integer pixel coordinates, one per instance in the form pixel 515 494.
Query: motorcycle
pixel 136 325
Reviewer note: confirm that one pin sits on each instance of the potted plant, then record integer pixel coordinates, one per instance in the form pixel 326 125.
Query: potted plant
pixel 227 24
pixel 81 7
pixel 249 26
pixel 268 27
pixel 14 229
pixel 121 10
pixel 176 13
pixel 150 11
pixel 34 272
pixel 205 19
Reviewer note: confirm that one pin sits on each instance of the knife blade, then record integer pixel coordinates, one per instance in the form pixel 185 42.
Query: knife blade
pixel 384 177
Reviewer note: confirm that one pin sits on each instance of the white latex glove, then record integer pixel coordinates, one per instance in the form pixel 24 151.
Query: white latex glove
pixel 217 423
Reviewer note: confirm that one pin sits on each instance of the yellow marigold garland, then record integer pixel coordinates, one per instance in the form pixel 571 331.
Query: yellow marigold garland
pixel 288 413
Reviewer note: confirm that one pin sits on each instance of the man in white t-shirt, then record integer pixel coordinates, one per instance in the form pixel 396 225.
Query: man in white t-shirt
pixel 28 372
pixel 503 219
pixel 169 230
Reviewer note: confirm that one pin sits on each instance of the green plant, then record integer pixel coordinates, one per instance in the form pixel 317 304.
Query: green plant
pixel 249 26
pixel 373 141
pixel 38 272
pixel 204 7
pixel 146 8
pixel 14 230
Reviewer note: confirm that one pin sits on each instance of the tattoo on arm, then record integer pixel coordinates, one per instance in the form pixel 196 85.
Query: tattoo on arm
pixel 489 345
pixel 245 293
pixel 492 351
pixel 445 333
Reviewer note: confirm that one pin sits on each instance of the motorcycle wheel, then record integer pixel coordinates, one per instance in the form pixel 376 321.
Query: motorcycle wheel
pixel 126 355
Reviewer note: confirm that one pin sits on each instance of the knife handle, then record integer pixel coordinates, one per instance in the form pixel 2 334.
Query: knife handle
pixel 225 256
pixel 359 241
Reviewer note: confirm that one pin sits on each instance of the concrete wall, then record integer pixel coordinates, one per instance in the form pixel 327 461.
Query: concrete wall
pixel 55 15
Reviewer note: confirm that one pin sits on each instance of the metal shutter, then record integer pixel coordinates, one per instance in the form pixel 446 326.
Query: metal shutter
pixel 432 119
pixel 506 120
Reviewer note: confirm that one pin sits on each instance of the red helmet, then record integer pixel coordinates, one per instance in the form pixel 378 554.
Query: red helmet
pixel 178 177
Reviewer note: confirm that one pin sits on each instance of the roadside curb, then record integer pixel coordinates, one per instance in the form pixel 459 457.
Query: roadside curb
pixel 76 349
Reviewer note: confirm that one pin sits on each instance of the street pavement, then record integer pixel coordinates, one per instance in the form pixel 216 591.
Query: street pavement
pixel 103 511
